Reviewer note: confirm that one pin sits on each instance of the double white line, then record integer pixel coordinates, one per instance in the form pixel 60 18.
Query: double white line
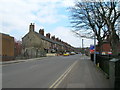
pixel 62 77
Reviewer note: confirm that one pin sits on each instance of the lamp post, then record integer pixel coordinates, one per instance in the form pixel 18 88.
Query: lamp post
pixel 94 37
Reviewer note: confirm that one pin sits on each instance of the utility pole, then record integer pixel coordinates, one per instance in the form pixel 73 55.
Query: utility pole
pixel 94 49
pixel 119 20
pixel 82 44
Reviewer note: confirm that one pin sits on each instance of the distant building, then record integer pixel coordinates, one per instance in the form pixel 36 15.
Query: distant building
pixel 37 44
pixel 106 48
pixel 6 47
pixel 18 48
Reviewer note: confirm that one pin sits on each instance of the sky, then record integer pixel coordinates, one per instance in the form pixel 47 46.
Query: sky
pixel 52 15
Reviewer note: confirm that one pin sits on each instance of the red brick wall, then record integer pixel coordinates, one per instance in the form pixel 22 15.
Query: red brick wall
pixel 18 48
pixel 106 47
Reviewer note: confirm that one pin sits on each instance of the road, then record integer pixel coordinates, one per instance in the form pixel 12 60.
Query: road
pixel 36 73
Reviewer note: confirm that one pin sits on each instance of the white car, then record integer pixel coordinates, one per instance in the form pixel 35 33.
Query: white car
pixel 72 53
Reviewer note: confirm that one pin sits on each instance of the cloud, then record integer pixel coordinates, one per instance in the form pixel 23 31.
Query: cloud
pixel 16 15
pixel 68 36
pixel 19 13
pixel 68 3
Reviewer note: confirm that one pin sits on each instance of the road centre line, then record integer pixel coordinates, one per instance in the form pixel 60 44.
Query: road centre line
pixel 62 77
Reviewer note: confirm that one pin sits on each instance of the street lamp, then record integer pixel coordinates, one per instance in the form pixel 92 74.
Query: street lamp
pixel 91 37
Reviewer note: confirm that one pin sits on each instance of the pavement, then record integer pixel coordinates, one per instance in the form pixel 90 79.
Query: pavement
pixel 86 75
pixel 21 60
pixel 24 60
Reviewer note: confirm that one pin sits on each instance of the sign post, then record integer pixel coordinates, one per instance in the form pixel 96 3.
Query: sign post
pixel 94 49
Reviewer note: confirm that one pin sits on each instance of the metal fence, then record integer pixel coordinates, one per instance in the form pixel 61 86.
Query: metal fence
pixel 103 62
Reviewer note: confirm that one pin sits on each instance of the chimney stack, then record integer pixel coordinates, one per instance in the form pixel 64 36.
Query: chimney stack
pixel 60 40
pixel 41 31
pixel 31 27
pixel 53 37
pixel 57 39
pixel 48 35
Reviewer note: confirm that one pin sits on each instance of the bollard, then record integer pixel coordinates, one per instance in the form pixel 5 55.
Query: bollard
pixel 114 73
pixel 97 64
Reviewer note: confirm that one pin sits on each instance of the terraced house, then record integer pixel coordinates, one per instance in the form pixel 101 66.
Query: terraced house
pixel 37 44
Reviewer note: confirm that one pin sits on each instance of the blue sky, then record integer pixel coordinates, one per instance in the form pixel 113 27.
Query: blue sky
pixel 52 15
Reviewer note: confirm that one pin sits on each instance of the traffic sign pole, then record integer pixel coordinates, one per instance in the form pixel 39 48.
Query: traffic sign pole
pixel 94 49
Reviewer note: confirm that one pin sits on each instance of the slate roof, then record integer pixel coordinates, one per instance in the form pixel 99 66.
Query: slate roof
pixel 48 39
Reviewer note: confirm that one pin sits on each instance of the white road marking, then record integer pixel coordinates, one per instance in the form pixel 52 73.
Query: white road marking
pixel 62 77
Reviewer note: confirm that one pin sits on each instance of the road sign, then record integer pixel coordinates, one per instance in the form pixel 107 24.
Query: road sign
pixel 92 47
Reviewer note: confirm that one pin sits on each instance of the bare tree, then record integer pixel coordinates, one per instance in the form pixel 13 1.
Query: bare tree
pixel 97 18
pixel 110 15
pixel 87 21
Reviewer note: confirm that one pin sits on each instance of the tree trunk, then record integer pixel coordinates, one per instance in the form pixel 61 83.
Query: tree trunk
pixel 99 45
pixel 114 43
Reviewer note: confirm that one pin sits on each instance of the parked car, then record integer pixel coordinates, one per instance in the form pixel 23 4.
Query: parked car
pixel 66 54
pixel 72 53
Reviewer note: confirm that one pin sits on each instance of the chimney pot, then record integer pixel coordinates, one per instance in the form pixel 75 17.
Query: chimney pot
pixel 57 39
pixel 48 35
pixel 53 37
pixel 31 27
pixel 41 31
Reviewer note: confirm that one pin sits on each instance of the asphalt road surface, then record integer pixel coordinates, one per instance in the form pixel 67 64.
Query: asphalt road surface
pixel 36 73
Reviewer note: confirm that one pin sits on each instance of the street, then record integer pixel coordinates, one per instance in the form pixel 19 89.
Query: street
pixel 52 44
pixel 36 73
